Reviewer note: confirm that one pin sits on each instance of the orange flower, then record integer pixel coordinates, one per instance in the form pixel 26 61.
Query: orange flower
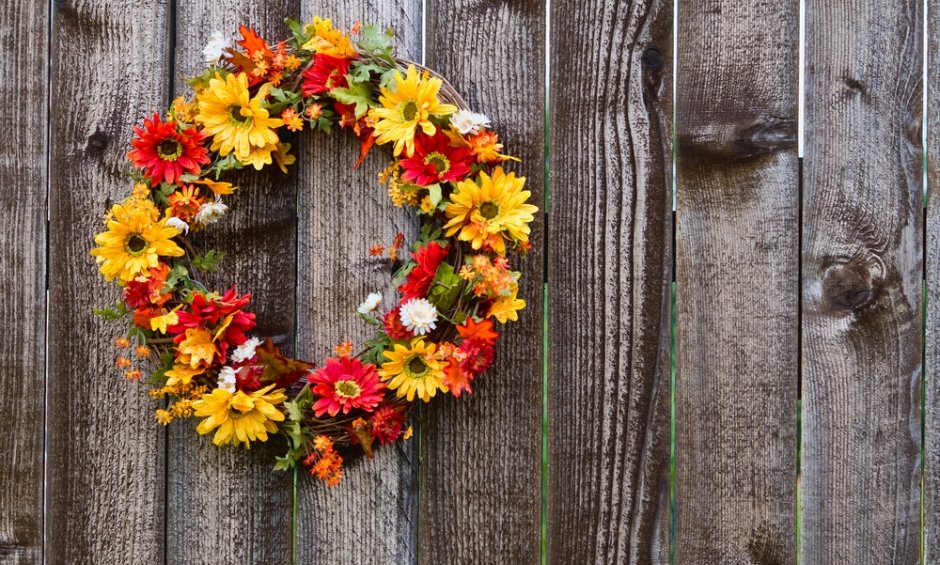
pixel 292 120
pixel 325 462
pixel 482 331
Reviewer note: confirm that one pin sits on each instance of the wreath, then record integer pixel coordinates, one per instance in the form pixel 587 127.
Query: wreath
pixel 457 282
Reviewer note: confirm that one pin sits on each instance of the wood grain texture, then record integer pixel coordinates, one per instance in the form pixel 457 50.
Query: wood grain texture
pixel 932 253
pixel 862 258
pixel 737 273
pixel 481 455
pixel 371 518
pixel 23 174
pixel 105 471
pixel 609 274
pixel 227 505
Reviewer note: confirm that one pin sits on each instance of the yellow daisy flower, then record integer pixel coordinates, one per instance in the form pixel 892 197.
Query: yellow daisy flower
pixel 490 211
pixel 134 241
pixel 416 370
pixel 411 105
pixel 235 121
pixel 328 41
pixel 239 417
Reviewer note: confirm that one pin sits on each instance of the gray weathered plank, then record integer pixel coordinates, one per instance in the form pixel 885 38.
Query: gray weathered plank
pixel 609 273
pixel 737 276
pixel 23 175
pixel 105 479
pixel 227 505
pixel 481 455
pixel 371 517
pixel 932 253
pixel 862 261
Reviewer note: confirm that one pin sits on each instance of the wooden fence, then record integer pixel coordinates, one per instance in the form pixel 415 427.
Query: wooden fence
pixel 809 282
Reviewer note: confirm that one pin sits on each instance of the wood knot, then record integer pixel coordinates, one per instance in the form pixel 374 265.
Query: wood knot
pixel 848 287
pixel 97 142
pixel 652 58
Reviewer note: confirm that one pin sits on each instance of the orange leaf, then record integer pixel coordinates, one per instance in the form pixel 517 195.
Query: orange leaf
pixel 278 368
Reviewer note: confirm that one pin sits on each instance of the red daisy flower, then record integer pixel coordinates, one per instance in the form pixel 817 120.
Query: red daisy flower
pixel 476 356
pixel 419 280
pixel 393 326
pixel 165 153
pixel 386 423
pixel 346 384
pixel 223 316
pixel 436 160
pixel 326 74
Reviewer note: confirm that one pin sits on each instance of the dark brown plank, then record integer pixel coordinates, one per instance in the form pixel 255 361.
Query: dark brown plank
pixel 105 471
pixel 609 274
pixel 371 517
pixel 227 505
pixel 23 175
pixel 481 455
pixel 862 258
pixel 931 512
pixel 737 275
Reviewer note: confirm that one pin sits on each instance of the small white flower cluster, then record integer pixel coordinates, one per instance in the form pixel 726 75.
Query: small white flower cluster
pixel 370 303
pixel 246 350
pixel 215 49
pixel 419 316
pixel 227 379
pixel 210 212
pixel 467 122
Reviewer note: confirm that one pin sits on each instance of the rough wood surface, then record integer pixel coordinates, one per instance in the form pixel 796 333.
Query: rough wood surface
pixel 105 471
pixel 371 518
pixel 932 253
pixel 609 274
pixel 23 48
pixel 862 257
pixel 227 505
pixel 737 276
pixel 481 455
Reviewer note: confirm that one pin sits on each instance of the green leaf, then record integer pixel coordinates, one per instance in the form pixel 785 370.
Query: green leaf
pixel 446 288
pixel 362 71
pixel 434 191
pixel 177 273
pixel 358 94
pixel 209 261
pixel 116 312
pixel 377 42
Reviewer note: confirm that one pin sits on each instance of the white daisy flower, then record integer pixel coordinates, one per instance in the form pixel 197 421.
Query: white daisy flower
pixel 469 122
pixel 419 316
pixel 215 49
pixel 245 351
pixel 227 379
pixel 210 212
pixel 370 303
pixel 177 223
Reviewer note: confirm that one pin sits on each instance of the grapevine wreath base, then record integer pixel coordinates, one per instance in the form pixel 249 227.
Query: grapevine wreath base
pixel 447 167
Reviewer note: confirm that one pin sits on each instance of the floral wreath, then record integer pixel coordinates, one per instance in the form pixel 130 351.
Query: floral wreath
pixel 447 166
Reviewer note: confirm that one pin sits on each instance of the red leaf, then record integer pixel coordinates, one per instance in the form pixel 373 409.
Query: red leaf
pixel 278 368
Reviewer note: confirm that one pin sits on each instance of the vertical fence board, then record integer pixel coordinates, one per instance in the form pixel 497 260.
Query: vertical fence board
pixel 609 273
pixel 932 253
pixel 105 479
pixel 371 516
pixel 737 282
pixel 23 49
pixel 862 257
pixel 226 505
pixel 480 456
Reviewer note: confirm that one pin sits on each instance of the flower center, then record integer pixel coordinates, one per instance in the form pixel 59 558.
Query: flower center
pixel 437 160
pixel 236 117
pixel 409 111
pixel 489 210
pixel 170 149
pixel 347 389
pixel 417 366
pixel 136 244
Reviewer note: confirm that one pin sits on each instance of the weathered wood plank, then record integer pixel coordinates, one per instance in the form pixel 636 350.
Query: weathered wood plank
pixel 737 273
pixel 23 175
pixel 481 456
pixel 609 273
pixel 105 473
pixel 932 253
pixel 227 505
pixel 371 517
pixel 862 258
